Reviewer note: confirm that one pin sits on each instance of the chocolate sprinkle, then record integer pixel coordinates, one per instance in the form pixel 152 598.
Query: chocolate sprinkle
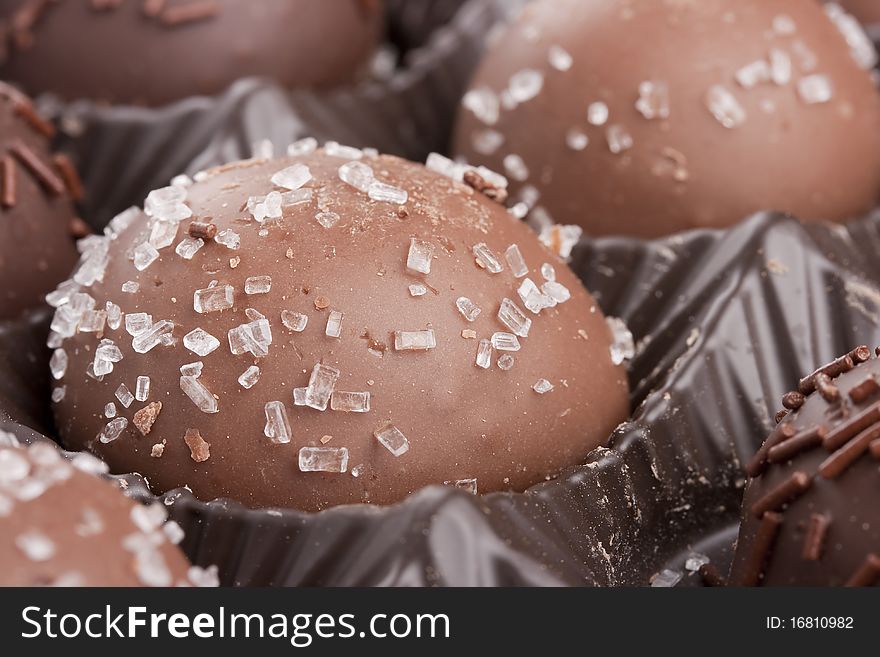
pixel 46 177
pixel 865 390
pixel 851 452
pixel 817 532
pixel 867 574
pixel 786 492
pixel 793 446
pixel 763 544
pixel 851 427
pixel 8 190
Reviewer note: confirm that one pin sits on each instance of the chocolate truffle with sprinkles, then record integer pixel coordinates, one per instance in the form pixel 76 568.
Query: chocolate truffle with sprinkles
pixel 811 515
pixel 334 327
pixel 646 118
pixel 156 51
pixel 60 525
pixel 37 223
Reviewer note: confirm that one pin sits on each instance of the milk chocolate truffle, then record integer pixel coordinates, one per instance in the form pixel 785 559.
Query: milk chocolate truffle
pixel 811 515
pixel 62 526
pixel 157 51
pixel 646 118
pixel 36 210
pixel 334 327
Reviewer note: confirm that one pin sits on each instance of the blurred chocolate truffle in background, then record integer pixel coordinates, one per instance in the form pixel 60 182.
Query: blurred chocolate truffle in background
pixel 811 515
pixel 37 223
pixel 334 327
pixel 646 118
pixel 153 52
pixel 60 525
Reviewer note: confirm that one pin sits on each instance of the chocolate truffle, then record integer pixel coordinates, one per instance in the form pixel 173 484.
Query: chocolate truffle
pixel 62 526
pixel 157 51
pixel 646 118
pixel 810 514
pixel 36 213
pixel 334 327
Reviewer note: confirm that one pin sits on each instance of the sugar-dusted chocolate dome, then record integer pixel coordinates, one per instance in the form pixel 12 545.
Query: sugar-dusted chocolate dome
pixel 811 515
pixel 62 526
pixel 646 118
pixel 455 345
pixel 156 51
pixel 36 210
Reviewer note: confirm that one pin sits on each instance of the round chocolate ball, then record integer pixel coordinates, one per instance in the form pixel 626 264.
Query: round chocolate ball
pixel 646 118
pixel 154 52
pixel 62 526
pixel 36 213
pixel 810 514
pixel 335 327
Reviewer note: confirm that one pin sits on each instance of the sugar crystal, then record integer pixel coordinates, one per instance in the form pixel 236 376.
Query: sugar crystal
pixel 666 579
pixel 465 485
pixel 199 394
pixel 505 362
pixel 514 318
pixel 515 167
pixel 110 410
pixel 725 107
pixel 752 74
pixel 618 138
pixel 653 102
pixel 192 369
pixel 350 402
pixel 159 333
pixel 559 58
pixel 484 354
pixel 482 103
pixel 114 315
pixel 414 340
pixel 112 430
pixel 327 219
pixel 294 321
pixel 323 459
pixel 486 142
pixel 469 310
pixel 334 324
pixel 417 290
pixel 277 427
pixel 35 545
pixel 597 113
pixel 249 377
pixel 505 342
pixel 131 287
pixel 228 238
pixel 357 174
pixel 525 85
pixel 200 342
pixel 515 261
pixel 213 299
pixel 163 234
pixel 335 149
pixel 380 191
pixel 92 321
pixel 123 394
pixel 623 346
pixel 188 247
pixel 542 386
pixel 556 291
pixel 302 147
pixel 293 177
pixel 780 66
pixel 419 256
pixel 321 385
pixel 142 388
pixel 258 285
pixel 392 439
pixel 144 255
pixel 58 364
pixel 486 259
pixel 815 89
